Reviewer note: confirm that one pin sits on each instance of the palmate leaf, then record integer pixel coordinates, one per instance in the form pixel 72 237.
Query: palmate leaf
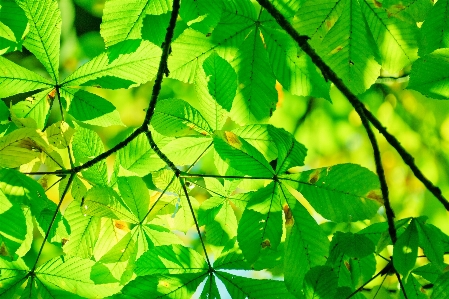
pixel 44 32
pixel 201 15
pixel 441 287
pixel 36 107
pixel 12 276
pixel 186 150
pixel 127 64
pixel 15 79
pixel 320 282
pixel 341 193
pixel 18 148
pixel 430 240
pixel 123 20
pixel 413 289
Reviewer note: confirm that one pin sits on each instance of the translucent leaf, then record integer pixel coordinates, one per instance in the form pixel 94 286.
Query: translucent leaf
pixel 306 243
pixel 36 107
pixel 219 219
pixel 154 28
pixel 171 259
pixel 59 134
pixel 186 150
pixel 292 68
pixel 235 23
pixel 231 257
pixel 84 232
pixel 18 148
pixel 412 10
pixel 123 20
pixel 138 158
pixel 13 27
pixel 260 228
pixel 352 245
pixel 429 75
pixel 127 64
pixel 174 117
pixel 92 109
pixel 405 250
pixel 158 286
pixel 44 32
pixel 349 50
pixel 15 79
pixel 12 275
pixel 435 29
pixel 320 282
pixel 241 155
pixel 201 15
pixel 135 195
pixel 14 227
pixel 85 146
pixel 242 287
pixel 259 136
pixel 429 272
pixel 183 219
pixel 256 95
pixel 72 274
pixel 210 290
pixel 341 193
pixel 105 202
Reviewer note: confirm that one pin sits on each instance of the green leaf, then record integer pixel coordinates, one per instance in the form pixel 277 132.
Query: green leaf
pixel 429 272
pixel 292 68
pixel 306 244
pixel 210 290
pixel 435 29
pixel 242 287
pixel 14 225
pixel 12 275
pixel 219 219
pixel 429 75
pixel 72 274
pixel 170 259
pixel 44 32
pixel 341 193
pixel 320 282
pixel 352 245
pixel 201 15
pixel 174 117
pixel 441 287
pixel 36 107
pixel 154 28
pixel 183 219
pixel 413 289
pixel 430 242
pixel 18 148
pixel 261 137
pixel 138 158
pixel 86 145
pixel 84 234
pixel 241 155
pixel 256 96
pixel 135 195
pixel 405 250
pixel 123 20
pixel 13 27
pixel 159 286
pixel 186 150
pixel 105 202
pixel 260 228
pixel 127 64
pixel 290 152
pixel 92 109
pixel 15 79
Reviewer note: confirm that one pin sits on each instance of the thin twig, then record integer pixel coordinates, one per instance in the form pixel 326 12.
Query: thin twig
pixel 198 175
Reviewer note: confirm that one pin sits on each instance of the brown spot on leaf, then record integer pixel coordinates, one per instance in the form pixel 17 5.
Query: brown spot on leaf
pixel 348 266
pixel 51 95
pixel 233 139
pixel 3 251
pixel 266 243
pixel 337 49
pixel 120 224
pixel 289 221
pixel 377 4
pixel 375 195
pixel 64 241
pixel 314 177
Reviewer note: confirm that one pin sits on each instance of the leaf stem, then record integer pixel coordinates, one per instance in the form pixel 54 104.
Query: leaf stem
pixel 183 184
pixel 198 175
pixel 64 193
